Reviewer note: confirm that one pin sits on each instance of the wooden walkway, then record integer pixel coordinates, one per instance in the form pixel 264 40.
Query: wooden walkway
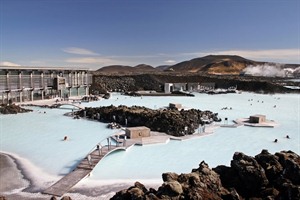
pixel 85 167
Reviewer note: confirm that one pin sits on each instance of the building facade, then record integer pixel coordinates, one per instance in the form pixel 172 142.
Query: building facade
pixel 190 87
pixel 21 84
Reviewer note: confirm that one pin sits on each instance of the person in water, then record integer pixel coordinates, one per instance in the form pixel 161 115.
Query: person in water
pixel 65 138
pixel 275 140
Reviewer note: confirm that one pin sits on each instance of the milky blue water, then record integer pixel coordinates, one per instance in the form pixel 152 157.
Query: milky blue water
pixel 37 137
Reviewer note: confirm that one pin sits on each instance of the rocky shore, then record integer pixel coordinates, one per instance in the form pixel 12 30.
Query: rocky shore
pixel 171 121
pixel 155 81
pixel 263 177
pixel 12 109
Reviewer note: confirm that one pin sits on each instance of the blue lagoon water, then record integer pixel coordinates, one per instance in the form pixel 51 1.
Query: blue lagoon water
pixel 36 138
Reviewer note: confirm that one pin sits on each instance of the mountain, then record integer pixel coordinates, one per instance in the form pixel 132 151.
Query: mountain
pixel 144 68
pixel 123 69
pixel 214 64
pixel 211 64
pixel 163 67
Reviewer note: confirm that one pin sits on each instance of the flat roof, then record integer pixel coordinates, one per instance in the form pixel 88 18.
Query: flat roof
pixel 258 115
pixel 137 128
pixel 43 68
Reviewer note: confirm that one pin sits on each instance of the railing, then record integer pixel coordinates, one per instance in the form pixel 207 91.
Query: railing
pixel 109 146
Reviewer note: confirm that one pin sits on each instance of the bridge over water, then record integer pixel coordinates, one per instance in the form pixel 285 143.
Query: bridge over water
pixel 85 167
pixel 79 106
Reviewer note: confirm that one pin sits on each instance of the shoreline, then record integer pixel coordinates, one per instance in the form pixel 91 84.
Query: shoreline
pixel 17 183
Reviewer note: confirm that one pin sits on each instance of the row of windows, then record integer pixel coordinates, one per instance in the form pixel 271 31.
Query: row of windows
pixel 36 81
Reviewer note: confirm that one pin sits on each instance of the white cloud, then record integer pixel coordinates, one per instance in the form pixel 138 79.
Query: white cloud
pixel 170 61
pixel 79 51
pixel 285 55
pixel 91 60
pixel 278 54
pixel 10 64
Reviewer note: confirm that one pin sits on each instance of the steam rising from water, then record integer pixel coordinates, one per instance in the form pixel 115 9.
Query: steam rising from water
pixel 270 70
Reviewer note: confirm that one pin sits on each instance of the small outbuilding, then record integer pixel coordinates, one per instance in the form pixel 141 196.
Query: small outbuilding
pixel 257 119
pixel 175 105
pixel 137 132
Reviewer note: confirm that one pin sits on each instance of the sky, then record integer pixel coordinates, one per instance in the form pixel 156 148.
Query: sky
pixel 97 33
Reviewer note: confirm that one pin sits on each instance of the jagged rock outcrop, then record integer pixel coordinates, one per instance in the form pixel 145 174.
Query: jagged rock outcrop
pixel 171 121
pixel 265 176
pixel 103 83
pixel 12 109
pixel 291 164
pixel 252 177
pixel 202 183
pixel 271 165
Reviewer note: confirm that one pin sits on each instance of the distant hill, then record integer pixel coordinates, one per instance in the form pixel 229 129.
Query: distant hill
pixel 211 64
pixel 122 69
pixel 215 64
pixel 163 67
pixel 144 68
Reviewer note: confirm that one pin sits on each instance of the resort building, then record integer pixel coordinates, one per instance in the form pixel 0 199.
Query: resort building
pixel 207 86
pixel 137 132
pixel 171 87
pixel 191 87
pixel 20 84
pixel 257 119
pixel 175 105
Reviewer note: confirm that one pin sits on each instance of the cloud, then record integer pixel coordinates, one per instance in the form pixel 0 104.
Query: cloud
pixel 10 64
pixel 91 60
pixel 268 55
pixel 79 51
pixel 170 61
pixel 285 55
pixel 278 54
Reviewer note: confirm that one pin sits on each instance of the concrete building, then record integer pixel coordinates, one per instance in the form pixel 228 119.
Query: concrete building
pixel 137 132
pixel 257 119
pixel 20 84
pixel 191 87
pixel 170 87
pixel 207 86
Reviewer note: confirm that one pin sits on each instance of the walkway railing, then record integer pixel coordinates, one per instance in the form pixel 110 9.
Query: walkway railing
pixel 86 166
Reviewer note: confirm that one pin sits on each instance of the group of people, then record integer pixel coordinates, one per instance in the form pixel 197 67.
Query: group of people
pixel 287 136
pixel 226 108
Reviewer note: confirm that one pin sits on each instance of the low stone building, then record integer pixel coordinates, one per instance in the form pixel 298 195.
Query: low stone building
pixel 137 132
pixel 257 119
